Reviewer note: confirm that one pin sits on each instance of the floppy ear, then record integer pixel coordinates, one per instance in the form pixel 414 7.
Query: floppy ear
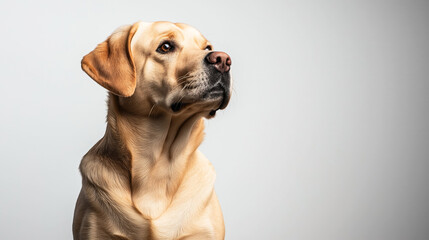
pixel 111 63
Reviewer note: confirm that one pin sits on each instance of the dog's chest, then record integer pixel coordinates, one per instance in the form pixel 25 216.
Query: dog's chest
pixel 179 212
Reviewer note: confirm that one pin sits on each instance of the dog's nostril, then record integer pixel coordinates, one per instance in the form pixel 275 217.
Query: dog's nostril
pixel 228 62
pixel 218 60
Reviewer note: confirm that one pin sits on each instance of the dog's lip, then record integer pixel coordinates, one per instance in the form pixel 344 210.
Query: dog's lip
pixel 219 90
pixel 177 106
pixel 223 104
pixel 225 98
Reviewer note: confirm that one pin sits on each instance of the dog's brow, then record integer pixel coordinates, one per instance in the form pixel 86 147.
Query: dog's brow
pixel 202 43
pixel 169 35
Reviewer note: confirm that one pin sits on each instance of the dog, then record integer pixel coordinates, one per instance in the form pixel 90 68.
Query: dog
pixel 145 178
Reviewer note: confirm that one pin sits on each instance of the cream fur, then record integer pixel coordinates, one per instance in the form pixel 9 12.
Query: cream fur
pixel 145 179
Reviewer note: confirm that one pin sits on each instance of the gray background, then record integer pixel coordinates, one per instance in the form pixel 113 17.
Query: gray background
pixel 326 137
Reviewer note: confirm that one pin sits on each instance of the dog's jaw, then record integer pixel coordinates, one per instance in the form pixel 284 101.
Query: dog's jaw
pixel 203 96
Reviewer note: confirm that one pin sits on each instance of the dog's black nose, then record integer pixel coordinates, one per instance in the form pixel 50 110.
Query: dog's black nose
pixel 220 60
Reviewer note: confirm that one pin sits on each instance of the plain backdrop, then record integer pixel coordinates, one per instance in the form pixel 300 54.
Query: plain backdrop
pixel 326 136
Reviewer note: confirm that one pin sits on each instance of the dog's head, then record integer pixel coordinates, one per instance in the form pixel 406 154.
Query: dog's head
pixel 168 66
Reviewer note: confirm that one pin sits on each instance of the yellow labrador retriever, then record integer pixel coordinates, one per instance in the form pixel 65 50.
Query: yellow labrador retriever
pixel 145 179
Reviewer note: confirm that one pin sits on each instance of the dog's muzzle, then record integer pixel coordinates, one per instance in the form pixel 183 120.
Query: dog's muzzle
pixel 219 64
pixel 217 84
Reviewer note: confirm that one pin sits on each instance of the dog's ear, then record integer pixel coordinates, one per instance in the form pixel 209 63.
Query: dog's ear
pixel 111 63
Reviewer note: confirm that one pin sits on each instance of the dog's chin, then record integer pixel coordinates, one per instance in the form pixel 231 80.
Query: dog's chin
pixel 220 95
pixel 209 101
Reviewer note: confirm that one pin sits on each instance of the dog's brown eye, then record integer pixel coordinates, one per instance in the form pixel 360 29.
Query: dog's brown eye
pixel 165 47
pixel 209 48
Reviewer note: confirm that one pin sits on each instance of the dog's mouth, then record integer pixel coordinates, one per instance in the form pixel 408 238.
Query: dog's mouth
pixel 220 92
pixel 217 93
pixel 177 106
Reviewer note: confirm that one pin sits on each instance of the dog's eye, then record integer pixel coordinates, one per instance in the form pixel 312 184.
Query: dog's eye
pixel 209 48
pixel 165 47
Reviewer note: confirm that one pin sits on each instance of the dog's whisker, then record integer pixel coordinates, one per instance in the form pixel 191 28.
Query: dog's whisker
pixel 187 75
pixel 180 84
pixel 151 109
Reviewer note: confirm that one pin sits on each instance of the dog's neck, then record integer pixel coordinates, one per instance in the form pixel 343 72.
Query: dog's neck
pixel 159 149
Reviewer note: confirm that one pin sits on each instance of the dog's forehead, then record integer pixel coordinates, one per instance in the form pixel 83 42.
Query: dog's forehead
pixel 149 31
pixel 190 32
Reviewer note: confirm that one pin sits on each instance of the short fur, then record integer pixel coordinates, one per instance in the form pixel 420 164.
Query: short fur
pixel 145 179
